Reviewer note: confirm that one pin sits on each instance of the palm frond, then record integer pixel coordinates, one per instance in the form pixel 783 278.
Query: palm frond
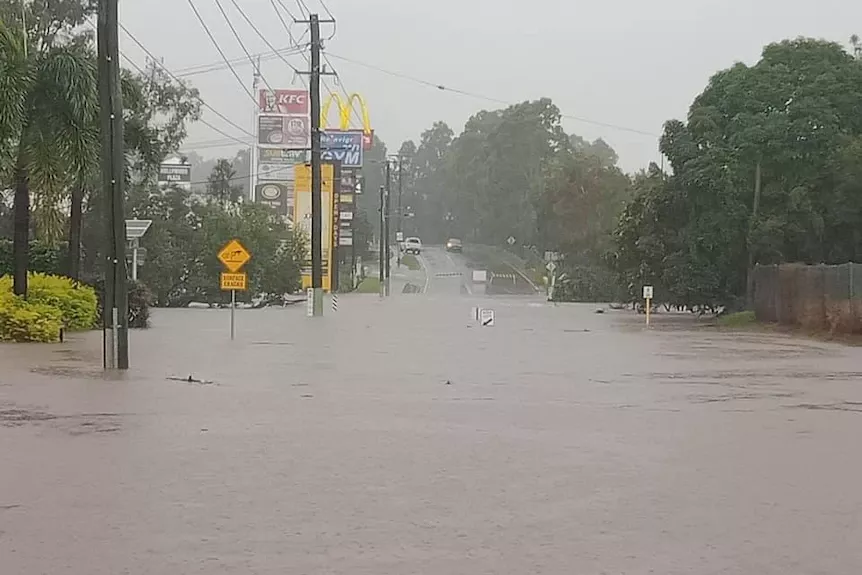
pixel 16 79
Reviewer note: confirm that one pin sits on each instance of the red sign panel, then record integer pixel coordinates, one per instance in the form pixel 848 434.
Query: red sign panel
pixel 367 140
pixel 284 102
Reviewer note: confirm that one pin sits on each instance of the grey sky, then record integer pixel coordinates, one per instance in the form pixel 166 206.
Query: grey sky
pixel 624 62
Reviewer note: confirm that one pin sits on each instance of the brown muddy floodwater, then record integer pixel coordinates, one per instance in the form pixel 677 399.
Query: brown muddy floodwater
pixel 564 442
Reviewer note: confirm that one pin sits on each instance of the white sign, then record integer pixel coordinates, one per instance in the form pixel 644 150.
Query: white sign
pixel 647 292
pixel 551 266
pixel 345 241
pixel 474 313
pixel 399 236
pixel 480 276
pixel 275 172
pixel 345 216
pixel 511 240
pixel 309 302
pixel 487 317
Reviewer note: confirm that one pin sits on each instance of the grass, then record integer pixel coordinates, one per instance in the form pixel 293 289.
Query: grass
pixel 411 262
pixel 738 319
pixel 370 284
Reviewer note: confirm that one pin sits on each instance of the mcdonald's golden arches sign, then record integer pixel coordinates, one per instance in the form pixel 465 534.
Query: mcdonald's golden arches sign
pixel 345 111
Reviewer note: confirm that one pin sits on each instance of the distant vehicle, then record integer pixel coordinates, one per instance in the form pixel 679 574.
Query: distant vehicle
pixel 453 245
pixel 412 246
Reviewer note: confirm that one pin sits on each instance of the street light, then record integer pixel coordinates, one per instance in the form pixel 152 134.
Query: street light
pixel 135 230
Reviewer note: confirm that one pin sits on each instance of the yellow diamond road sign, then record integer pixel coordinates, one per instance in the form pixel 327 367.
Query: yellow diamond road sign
pixel 232 281
pixel 234 256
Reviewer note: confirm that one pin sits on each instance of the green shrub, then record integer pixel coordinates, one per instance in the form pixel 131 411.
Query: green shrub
pixel 76 302
pixel 140 301
pixel 44 258
pixel 22 320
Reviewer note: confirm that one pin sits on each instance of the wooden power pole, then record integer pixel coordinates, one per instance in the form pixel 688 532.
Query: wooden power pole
pixel 115 314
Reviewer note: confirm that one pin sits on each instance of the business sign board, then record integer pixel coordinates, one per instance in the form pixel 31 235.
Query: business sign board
pixel 289 102
pixel 175 174
pixel 283 156
pixel 275 172
pixel 288 132
pixel 343 146
pixel 274 194
pixel 302 219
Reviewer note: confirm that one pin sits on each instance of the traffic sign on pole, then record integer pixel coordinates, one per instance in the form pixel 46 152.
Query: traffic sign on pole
pixel 233 255
pixel 234 281
pixel 487 317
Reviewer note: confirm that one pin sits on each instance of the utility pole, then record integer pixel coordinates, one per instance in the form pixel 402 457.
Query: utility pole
pixel 380 268
pixel 386 221
pixel 252 151
pixel 749 284
pixel 400 229
pixel 314 22
pixel 115 313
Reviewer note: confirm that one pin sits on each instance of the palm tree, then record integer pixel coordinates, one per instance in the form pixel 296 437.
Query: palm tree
pixel 48 106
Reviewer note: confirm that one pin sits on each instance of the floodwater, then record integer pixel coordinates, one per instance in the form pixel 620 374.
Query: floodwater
pixel 400 437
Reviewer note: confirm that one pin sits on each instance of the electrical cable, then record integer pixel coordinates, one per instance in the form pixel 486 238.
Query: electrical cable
pixel 197 97
pixel 221 53
pixel 220 65
pixel 305 56
pixel 242 45
pixel 262 37
pixel 201 120
pixel 441 87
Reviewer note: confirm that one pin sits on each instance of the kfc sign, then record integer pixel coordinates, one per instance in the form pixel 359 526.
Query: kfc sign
pixel 291 102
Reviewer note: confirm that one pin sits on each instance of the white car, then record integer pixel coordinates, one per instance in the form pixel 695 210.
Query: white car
pixel 412 246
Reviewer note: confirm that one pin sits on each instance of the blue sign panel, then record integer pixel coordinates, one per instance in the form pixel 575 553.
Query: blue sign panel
pixel 344 146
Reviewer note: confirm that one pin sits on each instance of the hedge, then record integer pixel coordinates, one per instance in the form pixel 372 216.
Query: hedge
pixel 75 304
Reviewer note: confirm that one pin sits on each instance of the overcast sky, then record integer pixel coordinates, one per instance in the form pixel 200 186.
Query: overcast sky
pixel 624 62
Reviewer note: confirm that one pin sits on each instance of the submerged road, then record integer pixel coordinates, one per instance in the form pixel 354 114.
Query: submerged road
pixel 399 437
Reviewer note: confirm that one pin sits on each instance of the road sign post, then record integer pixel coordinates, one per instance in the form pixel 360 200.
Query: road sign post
pixel 233 256
pixel 648 294
pixel 552 268
pixel 487 317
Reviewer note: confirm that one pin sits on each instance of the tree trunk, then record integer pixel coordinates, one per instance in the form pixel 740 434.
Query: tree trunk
pixel 21 232
pixel 75 222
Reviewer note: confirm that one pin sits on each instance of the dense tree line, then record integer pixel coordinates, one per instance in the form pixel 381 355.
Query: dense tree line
pixel 766 168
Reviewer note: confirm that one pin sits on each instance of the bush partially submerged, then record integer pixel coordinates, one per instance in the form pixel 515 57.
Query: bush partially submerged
pixel 22 320
pixel 76 301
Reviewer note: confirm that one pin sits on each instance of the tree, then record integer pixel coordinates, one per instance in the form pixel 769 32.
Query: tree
pixel 793 118
pixel 49 99
pixel 220 184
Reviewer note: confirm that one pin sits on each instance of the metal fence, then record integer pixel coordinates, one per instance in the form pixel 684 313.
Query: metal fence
pixel 817 297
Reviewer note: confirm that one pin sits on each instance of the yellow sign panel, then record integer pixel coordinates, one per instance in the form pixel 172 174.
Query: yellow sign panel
pixel 344 112
pixel 302 178
pixel 234 256
pixel 231 281
pixel 302 221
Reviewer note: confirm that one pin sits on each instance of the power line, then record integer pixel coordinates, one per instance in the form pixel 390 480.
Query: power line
pixel 156 62
pixel 444 88
pixel 289 32
pixel 305 56
pixel 174 77
pixel 242 45
pixel 201 120
pixel 220 65
pixel 262 37
pixel 221 53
